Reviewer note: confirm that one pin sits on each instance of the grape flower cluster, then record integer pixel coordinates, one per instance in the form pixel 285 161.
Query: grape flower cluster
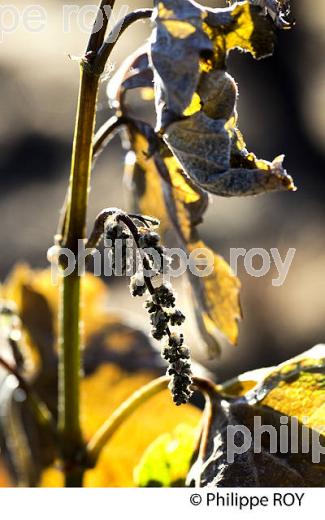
pixel 160 302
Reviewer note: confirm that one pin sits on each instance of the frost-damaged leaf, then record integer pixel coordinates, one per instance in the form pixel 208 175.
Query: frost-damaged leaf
pixel 196 98
pixel 189 39
pixel 177 43
pixel 165 463
pixel 292 394
pixel 217 294
pixel 242 26
pixel 180 205
pixel 211 150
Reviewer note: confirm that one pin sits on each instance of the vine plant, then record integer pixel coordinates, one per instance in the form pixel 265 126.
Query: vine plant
pixel 169 39
pixel 195 149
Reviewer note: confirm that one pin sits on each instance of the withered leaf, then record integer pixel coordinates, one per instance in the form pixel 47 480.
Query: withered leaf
pixel 201 145
pixel 218 297
pixel 205 140
pixel 241 26
pixel 217 92
pixel 176 45
pixel 293 395
pixel 279 10
pixel 180 205
pixel 212 151
pixel 133 73
pixel 196 98
pixel 189 39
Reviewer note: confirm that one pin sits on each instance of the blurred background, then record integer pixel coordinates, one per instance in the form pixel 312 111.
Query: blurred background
pixel 281 110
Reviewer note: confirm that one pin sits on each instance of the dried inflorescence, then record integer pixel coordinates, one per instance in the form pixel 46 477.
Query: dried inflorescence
pixel 119 237
pixel 161 301
pixel 163 315
pixel 179 369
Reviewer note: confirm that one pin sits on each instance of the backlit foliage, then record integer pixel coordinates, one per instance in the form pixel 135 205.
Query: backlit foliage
pixel 193 152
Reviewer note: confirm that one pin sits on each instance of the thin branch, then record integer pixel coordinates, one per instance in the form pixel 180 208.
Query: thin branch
pixel 105 133
pixel 210 409
pixel 100 25
pixel 103 53
pixel 107 430
pixel 39 408
pixel 12 370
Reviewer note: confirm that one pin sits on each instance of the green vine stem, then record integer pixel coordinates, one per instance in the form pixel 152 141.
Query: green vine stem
pixel 74 229
pixel 128 407
pixel 69 312
pixel 69 318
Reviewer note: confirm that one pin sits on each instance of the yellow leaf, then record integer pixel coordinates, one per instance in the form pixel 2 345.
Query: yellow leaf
pixel 245 28
pixel 179 204
pixel 5 480
pixel 113 360
pixel 219 292
pixel 101 394
pixel 297 388
pixel 145 181
pixel 94 294
pixel 166 462
pixel 179 29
